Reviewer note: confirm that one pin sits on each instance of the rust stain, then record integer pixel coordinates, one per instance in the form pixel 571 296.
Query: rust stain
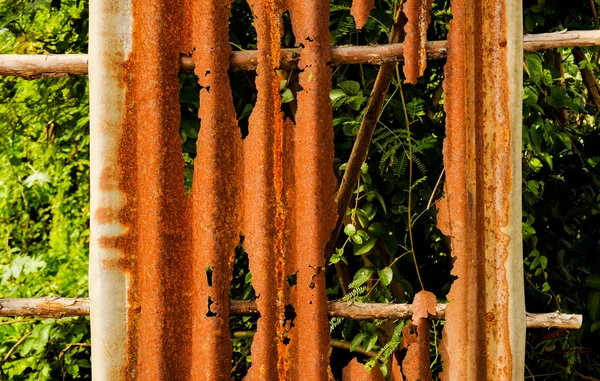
pixel 415 337
pixel 356 371
pixel 478 188
pixel 418 15
pixel 361 10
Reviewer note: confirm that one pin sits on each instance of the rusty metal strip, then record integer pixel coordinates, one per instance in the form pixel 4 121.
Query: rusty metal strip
pixel 216 191
pixel 110 46
pixel 415 337
pixel 315 184
pixel 418 15
pixel 482 209
pixel 265 152
pixel 356 371
pixel 360 11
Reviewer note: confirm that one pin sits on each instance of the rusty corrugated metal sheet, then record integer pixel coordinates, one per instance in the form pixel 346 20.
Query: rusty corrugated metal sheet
pixel 360 11
pixel 166 258
pixel 484 334
pixel 418 15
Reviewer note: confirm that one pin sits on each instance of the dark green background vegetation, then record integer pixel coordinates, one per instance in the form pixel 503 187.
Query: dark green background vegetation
pixel 44 188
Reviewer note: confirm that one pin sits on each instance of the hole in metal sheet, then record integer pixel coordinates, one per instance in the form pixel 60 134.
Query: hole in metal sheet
pixel 209 273
pixel 292 279
pixel 210 313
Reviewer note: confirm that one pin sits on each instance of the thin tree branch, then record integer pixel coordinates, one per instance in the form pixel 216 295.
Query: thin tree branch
pixel 351 310
pixel 61 65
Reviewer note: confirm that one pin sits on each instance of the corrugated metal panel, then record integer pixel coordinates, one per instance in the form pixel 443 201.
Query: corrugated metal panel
pixel 482 208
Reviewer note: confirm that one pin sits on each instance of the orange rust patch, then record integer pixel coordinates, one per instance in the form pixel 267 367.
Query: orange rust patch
pixel 356 371
pixel 415 337
pixel 360 11
pixel 105 215
pixel 108 242
pixel 418 15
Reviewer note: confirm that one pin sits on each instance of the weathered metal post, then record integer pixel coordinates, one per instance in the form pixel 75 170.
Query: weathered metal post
pixel 484 335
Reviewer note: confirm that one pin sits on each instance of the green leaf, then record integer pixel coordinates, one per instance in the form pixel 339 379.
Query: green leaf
pixel 287 96
pixel 350 87
pixel 594 305
pixel 15 162
pixel 337 96
pixel 534 67
pixel 386 275
pixel 543 262
pixel 371 342
pixel 356 341
pixel 593 281
pixel 365 247
pixel 595 326
pixel 350 230
pixel 362 276
pixel 528 231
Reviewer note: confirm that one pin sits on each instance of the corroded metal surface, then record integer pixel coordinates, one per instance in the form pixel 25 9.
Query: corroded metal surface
pixel 265 217
pixel 418 15
pixel 356 371
pixel 215 197
pixel 107 283
pixel 361 10
pixel 314 186
pixel 484 334
pixel 415 337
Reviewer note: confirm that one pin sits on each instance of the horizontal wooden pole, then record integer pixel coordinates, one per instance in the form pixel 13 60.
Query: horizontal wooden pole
pixel 54 307
pixel 36 66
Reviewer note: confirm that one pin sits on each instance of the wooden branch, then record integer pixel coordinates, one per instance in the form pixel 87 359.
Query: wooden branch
pixel 588 77
pixel 50 307
pixel 36 66
pixel 31 66
pixel 54 307
pixel 362 143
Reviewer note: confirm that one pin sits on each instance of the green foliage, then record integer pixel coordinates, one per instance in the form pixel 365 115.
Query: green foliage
pixel 44 192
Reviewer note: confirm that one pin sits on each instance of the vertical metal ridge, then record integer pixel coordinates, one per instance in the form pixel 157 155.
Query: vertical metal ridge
pixel 482 154
pixel 139 218
pixel 315 182
pixel 110 24
pixel 153 172
pixel 215 192
pixel 264 208
pixel 418 15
